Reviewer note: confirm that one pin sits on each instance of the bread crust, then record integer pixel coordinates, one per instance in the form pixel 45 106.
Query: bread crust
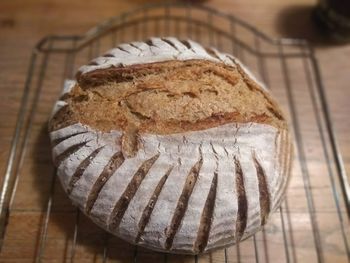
pixel 167 179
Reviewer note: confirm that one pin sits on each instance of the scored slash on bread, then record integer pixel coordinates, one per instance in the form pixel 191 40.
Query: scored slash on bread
pixel 171 146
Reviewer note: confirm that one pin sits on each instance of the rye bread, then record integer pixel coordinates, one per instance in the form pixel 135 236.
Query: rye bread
pixel 171 146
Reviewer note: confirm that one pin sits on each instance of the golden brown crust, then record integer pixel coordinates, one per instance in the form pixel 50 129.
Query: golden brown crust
pixel 167 97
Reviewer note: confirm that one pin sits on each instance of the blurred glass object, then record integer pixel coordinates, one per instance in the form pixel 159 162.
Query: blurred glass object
pixel 333 16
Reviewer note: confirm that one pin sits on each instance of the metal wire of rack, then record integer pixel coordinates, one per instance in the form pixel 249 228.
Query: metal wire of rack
pixel 312 223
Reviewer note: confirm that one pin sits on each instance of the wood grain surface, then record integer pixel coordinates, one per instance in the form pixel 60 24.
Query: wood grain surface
pixel 23 23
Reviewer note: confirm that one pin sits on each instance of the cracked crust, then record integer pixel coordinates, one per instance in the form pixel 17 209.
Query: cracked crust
pixel 167 97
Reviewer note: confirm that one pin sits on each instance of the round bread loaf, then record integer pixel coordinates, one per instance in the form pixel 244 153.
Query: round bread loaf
pixel 171 146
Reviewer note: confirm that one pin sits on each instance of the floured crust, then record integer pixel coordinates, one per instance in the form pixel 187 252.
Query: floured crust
pixel 171 146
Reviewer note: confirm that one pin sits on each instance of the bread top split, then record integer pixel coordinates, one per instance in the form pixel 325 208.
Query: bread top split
pixel 171 146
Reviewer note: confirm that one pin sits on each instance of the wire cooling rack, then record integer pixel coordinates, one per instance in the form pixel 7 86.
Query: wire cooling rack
pixel 37 221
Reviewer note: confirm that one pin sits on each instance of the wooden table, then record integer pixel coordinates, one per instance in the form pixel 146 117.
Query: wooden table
pixel 23 23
